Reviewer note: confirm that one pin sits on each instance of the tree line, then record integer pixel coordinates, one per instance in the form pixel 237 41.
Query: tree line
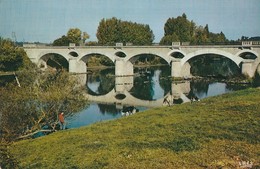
pixel 181 29
pixel 111 31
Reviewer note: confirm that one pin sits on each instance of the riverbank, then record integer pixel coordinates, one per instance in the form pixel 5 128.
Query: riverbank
pixel 217 132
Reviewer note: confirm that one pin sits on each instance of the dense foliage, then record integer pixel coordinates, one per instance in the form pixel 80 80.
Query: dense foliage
pixel 34 106
pixel 112 31
pixel 37 102
pixel 180 29
pixel 34 103
pixel 99 60
pixel 74 35
pixel 37 99
pixel 12 58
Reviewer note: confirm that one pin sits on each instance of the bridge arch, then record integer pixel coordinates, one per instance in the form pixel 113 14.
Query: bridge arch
pixel 74 54
pixel 47 58
pixel 177 54
pixel 232 57
pixel 85 57
pixel 244 51
pixel 92 92
pixel 126 98
pixel 42 54
pixel 99 83
pixel 165 58
pixel 120 54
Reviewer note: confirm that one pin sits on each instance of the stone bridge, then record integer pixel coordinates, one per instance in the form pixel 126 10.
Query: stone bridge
pixel 176 55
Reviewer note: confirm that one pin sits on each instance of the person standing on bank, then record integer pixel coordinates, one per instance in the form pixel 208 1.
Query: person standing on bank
pixel 62 121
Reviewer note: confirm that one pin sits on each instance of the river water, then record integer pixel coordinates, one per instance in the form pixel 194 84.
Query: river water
pixel 150 87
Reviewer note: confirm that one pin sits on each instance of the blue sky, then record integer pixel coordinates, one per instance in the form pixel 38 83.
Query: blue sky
pixel 47 20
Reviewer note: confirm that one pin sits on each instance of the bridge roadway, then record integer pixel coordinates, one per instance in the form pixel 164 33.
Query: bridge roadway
pixel 177 56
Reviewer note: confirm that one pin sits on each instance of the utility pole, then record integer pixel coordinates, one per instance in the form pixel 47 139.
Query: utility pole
pixel 14 37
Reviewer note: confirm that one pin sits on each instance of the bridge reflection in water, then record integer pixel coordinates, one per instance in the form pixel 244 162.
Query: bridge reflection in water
pixel 153 90
pixel 121 95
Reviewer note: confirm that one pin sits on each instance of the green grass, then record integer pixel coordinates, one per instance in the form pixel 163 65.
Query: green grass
pixel 217 132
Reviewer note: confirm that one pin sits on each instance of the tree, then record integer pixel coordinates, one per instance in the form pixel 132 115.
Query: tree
pixel 84 37
pixel 183 30
pixel 200 36
pixel 40 96
pixel 206 30
pixel 111 31
pixel 36 103
pixel 180 28
pixel 169 27
pixel 169 39
pixel 27 109
pixel 217 37
pixel 74 35
pixel 12 58
pixel 63 41
pixel 192 29
pixel 244 38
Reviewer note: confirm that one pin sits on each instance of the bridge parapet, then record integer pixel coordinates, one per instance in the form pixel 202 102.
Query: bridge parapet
pixel 250 43
pixel 176 44
pixel 29 45
pixel 246 43
pixel 255 42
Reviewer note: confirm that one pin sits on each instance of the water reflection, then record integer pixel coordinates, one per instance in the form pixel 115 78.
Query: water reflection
pixel 209 89
pixel 92 114
pixel 204 88
pixel 96 112
pixel 100 82
pixel 149 88
pixel 151 83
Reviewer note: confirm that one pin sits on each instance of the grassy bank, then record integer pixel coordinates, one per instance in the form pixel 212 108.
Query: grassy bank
pixel 214 133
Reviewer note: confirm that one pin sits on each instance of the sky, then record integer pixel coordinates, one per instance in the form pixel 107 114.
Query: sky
pixel 46 20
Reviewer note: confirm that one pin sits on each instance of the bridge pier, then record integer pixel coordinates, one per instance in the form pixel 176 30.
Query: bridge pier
pixel 180 88
pixel 179 70
pixel 76 66
pixel 123 84
pixel 178 91
pixel 123 68
pixel 249 68
pixel 258 70
pixel 42 64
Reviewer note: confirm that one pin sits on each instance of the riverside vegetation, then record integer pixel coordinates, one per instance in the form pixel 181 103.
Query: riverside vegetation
pixel 218 132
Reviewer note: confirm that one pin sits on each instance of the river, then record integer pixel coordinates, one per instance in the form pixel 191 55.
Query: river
pixel 148 88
